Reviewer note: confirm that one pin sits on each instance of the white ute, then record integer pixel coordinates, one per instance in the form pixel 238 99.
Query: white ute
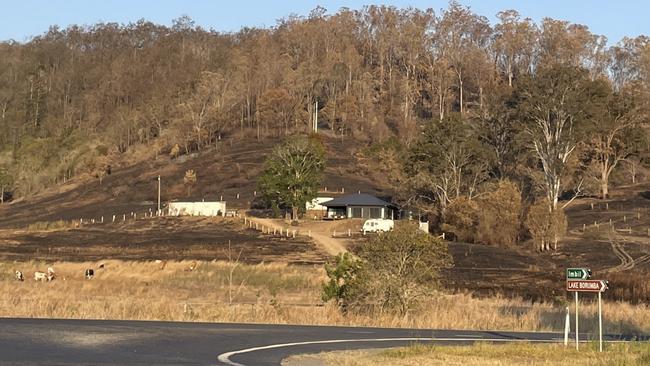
pixel 377 225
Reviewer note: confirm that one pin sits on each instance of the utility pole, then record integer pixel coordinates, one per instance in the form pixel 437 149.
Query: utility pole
pixel 316 118
pixel 158 194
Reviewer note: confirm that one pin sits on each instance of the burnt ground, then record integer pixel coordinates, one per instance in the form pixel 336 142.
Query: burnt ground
pixel 157 238
pixel 233 168
pixel 222 173
pixel 619 256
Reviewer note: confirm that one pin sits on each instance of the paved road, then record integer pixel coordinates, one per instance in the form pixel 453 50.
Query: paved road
pixel 96 342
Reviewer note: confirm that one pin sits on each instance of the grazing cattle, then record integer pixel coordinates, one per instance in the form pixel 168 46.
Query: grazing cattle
pixel 90 273
pixel 19 276
pixel 40 276
pixel 192 266
pixel 50 274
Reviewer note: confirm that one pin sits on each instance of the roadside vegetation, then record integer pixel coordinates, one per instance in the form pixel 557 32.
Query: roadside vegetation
pixel 267 293
pixel 395 272
pixel 489 354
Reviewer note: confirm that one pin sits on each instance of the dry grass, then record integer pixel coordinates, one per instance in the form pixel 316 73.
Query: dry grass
pixel 50 226
pixel 486 354
pixel 268 293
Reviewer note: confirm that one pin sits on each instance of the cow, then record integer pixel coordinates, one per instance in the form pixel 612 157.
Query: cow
pixel 192 266
pixel 162 263
pixel 90 273
pixel 40 276
pixel 19 276
pixel 50 274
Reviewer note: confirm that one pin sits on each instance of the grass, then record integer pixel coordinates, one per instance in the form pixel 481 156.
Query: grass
pixel 50 226
pixel 266 293
pixel 487 354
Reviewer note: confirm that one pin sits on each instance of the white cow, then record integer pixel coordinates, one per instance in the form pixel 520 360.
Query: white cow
pixel 40 276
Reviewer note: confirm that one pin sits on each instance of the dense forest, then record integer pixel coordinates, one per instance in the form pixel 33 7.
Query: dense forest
pixel 456 101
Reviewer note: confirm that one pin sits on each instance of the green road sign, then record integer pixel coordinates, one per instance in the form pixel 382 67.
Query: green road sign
pixel 578 273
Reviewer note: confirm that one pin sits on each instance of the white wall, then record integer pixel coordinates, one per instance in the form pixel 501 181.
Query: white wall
pixel 197 208
pixel 315 204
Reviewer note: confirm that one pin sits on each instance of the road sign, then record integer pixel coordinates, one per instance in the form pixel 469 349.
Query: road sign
pixel 586 285
pixel 578 273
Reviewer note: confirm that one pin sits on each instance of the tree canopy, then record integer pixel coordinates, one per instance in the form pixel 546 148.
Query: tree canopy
pixel 292 173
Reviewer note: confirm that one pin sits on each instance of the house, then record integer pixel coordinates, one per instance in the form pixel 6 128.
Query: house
pixel 217 208
pixel 315 207
pixel 360 205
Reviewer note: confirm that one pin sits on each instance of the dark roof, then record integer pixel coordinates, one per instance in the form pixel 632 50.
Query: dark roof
pixel 360 199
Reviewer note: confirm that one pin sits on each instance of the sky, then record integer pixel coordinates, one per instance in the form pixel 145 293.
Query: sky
pixel 20 20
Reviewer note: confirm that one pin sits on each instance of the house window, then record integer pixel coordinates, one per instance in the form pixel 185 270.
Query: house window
pixel 357 212
pixel 375 213
pixel 366 212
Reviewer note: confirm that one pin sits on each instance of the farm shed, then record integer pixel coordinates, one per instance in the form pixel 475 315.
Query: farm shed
pixel 360 205
pixel 217 208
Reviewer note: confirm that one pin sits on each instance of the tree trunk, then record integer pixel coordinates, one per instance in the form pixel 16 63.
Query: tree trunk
pixel 294 212
pixel 460 85
pixel 510 74
pixel 604 185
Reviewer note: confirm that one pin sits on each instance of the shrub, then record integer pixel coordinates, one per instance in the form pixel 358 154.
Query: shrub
pixel 546 227
pixel 395 271
pixel 499 215
pixel 342 274
pixel 462 219
pixel 402 266
pixel 175 151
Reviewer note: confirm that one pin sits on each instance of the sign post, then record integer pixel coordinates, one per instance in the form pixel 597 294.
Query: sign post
pixel 567 326
pixel 577 341
pixel 577 280
pixel 600 323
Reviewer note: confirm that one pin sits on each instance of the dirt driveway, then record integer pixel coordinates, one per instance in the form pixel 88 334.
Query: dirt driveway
pixel 320 232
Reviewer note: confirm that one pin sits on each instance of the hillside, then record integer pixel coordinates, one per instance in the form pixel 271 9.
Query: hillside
pixel 222 173
pixel 621 256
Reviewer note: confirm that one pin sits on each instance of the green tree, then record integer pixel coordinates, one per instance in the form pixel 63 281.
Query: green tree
pixel 293 173
pixel 446 163
pixel 555 105
pixel 614 135
pixel 343 276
